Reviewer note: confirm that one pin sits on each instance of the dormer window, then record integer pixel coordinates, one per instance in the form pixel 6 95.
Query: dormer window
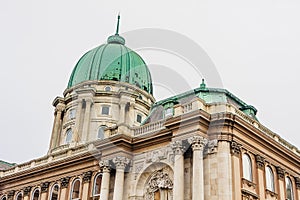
pixel 169 112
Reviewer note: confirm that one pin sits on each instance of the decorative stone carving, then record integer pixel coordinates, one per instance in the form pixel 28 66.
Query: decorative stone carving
pixel 177 147
pixel 157 155
pixel 235 148
pixel 260 161
pixel 87 176
pixel 297 181
pixel 45 186
pixel 158 180
pixel 64 182
pixel 10 195
pixel 121 162
pixel 26 190
pixel 197 142
pixel 280 172
pixel 105 165
pixel 211 147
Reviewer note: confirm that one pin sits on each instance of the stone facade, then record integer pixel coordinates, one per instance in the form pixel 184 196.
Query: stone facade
pixel 204 151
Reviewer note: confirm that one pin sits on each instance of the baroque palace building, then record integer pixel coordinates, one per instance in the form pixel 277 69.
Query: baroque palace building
pixel 112 140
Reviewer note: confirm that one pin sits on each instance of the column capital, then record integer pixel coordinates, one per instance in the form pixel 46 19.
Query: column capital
pixel 45 186
pixel 177 147
pixel 197 142
pixel 260 161
pixel 64 182
pixel 297 181
pixel 280 173
pixel 26 190
pixel 121 162
pixel 235 148
pixel 10 194
pixel 87 176
pixel 105 166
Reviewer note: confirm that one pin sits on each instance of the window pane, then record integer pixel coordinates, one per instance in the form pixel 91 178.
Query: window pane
pixel 36 195
pixel 289 189
pixel 68 136
pixel 107 88
pixel 105 110
pixel 3 198
pixel 72 114
pixel 139 118
pixel 270 179
pixel 101 132
pixel 54 194
pixel 97 185
pixel 169 112
pixel 19 197
pixel 76 189
pixel 247 167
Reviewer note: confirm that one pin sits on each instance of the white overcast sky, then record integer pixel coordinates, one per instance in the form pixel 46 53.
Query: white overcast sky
pixel 255 46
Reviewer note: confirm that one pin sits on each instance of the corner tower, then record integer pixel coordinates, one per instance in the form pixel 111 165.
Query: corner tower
pixel 109 92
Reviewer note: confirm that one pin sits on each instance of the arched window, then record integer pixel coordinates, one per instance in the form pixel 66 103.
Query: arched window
pixel 97 185
pixel 289 189
pixel 75 189
pixel 35 194
pixel 3 198
pixel 69 135
pixel 270 179
pixel 101 132
pixel 19 196
pixel 247 167
pixel 54 192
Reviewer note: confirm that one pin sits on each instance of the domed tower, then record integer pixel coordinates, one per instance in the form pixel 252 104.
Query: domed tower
pixel 109 92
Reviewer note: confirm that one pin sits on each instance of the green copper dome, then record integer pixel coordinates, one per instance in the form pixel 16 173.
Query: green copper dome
pixel 112 61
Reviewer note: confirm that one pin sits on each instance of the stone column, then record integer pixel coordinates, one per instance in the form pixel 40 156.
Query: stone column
pixel 236 169
pixel 105 166
pixel 77 129
pixel 178 189
pixel 44 190
pixel 120 163
pixel 26 193
pixel 86 120
pixel 198 143
pixel 86 178
pixel 260 163
pixel 56 126
pixel 280 175
pixel 297 182
pixel 64 182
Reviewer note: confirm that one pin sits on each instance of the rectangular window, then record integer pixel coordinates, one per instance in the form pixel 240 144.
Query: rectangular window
pixel 139 118
pixel 105 110
pixel 72 114
pixel 169 112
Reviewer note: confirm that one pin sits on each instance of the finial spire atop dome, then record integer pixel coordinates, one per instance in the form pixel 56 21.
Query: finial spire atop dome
pixel 117 39
pixel 117 31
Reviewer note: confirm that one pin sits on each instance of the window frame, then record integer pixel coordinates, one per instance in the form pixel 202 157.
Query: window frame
pixel 107 89
pixel 19 193
pixel 102 127
pixel 4 197
pixel 102 111
pixel 270 183
pixel 288 180
pixel 68 132
pixel 33 191
pixel 167 113
pixel 51 191
pixel 94 185
pixel 246 159
pixel 72 113
pixel 139 116
pixel 72 189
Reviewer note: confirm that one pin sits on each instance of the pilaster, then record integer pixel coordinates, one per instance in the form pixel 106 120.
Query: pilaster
pixel 105 167
pixel 260 163
pixel 178 189
pixel 86 179
pixel 236 169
